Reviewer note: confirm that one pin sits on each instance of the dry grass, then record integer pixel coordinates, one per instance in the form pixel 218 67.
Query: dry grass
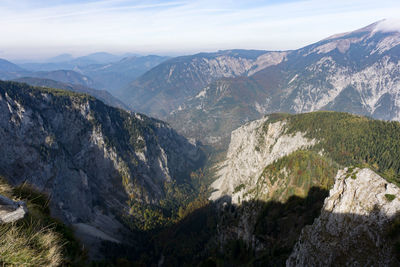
pixel 5 189
pixel 30 241
pixel 30 245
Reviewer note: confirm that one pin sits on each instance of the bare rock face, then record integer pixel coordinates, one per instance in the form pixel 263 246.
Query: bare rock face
pixel 251 149
pixel 351 229
pixel 11 211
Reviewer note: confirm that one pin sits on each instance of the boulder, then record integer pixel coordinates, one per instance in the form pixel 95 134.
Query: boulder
pixel 11 211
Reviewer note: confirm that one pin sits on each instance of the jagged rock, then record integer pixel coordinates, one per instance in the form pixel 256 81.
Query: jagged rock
pixel 351 228
pixel 11 211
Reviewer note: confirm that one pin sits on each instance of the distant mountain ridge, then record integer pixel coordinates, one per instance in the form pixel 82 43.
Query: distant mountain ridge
pixel 65 76
pixel 108 72
pixel 67 61
pixel 116 75
pixel 7 66
pixel 102 95
pixel 10 71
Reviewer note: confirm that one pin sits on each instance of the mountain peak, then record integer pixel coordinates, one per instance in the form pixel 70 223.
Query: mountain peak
pixel 384 25
pixel 8 66
pixel 370 28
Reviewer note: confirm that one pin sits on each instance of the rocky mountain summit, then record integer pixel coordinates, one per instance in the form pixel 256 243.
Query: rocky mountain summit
pixel 94 161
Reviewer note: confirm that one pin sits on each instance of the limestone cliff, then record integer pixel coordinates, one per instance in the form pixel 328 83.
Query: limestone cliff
pixel 253 147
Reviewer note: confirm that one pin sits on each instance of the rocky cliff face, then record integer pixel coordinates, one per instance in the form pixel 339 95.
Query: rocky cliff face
pixel 352 227
pixel 90 158
pixel 253 147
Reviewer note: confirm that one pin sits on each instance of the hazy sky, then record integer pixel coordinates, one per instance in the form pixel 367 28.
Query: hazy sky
pixel 40 28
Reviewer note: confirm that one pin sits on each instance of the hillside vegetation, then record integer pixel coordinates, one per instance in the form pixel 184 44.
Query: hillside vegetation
pixel 350 140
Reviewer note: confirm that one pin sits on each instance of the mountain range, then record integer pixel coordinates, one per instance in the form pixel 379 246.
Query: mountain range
pixel 101 70
pixel 10 71
pixel 208 95
pixel 67 61
pixel 165 87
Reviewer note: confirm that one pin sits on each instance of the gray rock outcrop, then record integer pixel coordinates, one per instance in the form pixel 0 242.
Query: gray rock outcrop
pixel 251 149
pixel 352 227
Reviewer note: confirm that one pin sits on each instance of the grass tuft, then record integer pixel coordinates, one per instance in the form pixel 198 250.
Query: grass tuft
pixel 37 239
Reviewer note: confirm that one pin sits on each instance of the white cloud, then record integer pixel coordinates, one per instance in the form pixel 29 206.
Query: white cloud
pixel 389 25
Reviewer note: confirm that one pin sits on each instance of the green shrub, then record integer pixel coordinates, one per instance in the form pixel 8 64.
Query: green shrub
pixel 239 188
pixel 390 197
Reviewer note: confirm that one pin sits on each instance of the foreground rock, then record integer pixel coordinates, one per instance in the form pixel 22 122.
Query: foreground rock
pixel 11 211
pixel 352 227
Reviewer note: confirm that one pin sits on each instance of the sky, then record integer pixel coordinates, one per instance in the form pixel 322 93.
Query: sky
pixel 36 29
